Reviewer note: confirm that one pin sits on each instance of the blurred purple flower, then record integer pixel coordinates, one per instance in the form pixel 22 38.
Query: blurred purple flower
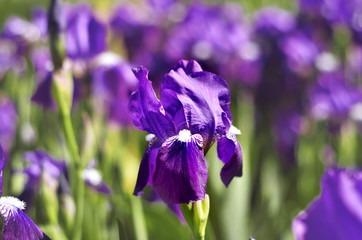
pixel 337 212
pixel 16 224
pixel 43 68
pixel 85 35
pixel 194 113
pixel 161 6
pixel 20 30
pixel 8 123
pixel 300 53
pixel 332 97
pixel 209 33
pixel 112 84
pixel 337 12
pixel 273 22
pixel 40 20
pixel 41 164
pixel 141 33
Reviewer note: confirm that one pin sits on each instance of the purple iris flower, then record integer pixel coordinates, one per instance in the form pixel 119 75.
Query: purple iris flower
pixel 20 30
pixel 332 97
pixel 300 52
pixel 209 33
pixel 244 65
pixel 85 35
pixel 8 123
pixel 337 213
pixel 273 22
pixel 112 84
pixel 193 113
pixel 337 12
pixel 16 224
pixel 142 36
pixel 40 165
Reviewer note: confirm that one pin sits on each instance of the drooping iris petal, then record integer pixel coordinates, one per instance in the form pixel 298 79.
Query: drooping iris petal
pixel 204 97
pixel 17 225
pixel 146 110
pixel 85 36
pixel 230 153
pixel 43 67
pixel 337 213
pixel 43 94
pixel 147 167
pixel 181 174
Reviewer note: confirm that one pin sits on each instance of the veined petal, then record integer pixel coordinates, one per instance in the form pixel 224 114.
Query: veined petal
pixel 181 173
pixel 204 98
pixel 17 225
pixel 146 110
pixel 230 153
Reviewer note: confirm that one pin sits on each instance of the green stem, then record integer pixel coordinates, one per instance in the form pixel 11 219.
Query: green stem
pixel 138 219
pixel 76 175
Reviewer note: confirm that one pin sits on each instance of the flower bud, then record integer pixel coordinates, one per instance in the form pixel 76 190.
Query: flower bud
pixel 196 214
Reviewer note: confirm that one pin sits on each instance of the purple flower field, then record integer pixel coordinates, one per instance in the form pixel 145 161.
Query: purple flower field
pixel 181 120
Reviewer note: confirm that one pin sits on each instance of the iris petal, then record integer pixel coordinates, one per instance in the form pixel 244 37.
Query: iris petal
pixel 337 213
pixel 181 173
pixel 17 225
pixel 230 153
pixel 146 111
pixel 147 167
pixel 204 97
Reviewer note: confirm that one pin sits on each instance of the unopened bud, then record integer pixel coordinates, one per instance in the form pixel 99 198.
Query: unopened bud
pixel 196 215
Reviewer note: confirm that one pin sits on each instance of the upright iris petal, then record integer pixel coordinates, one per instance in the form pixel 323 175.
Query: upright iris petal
pixel 181 174
pixel 147 111
pixel 204 98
